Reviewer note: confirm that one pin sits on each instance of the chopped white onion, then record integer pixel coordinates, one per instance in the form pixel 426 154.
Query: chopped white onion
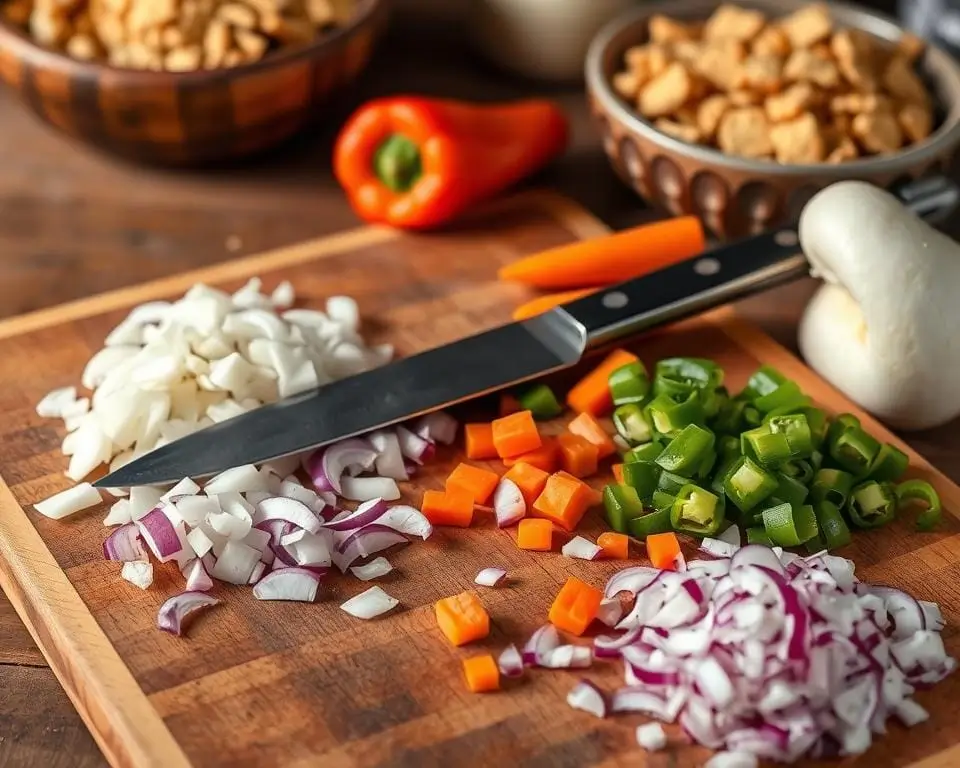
pixel 580 548
pixel 510 662
pixel 732 760
pixel 370 604
pixel 437 427
pixel 367 488
pixel 389 461
pixel 718 547
pixel 185 487
pixel 376 568
pixel 198 580
pixel 508 503
pixel 587 697
pixel 296 584
pixel 119 513
pixel 490 577
pixel 651 737
pixel 237 479
pixel 69 502
pixel 138 573
pixel 143 498
pixel 53 403
pixel 235 563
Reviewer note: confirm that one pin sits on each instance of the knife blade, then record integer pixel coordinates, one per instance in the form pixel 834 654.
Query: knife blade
pixel 496 359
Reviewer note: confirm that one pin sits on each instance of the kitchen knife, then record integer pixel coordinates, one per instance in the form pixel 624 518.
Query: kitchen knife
pixel 490 361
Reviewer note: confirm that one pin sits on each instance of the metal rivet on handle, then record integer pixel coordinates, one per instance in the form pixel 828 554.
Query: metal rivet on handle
pixel 787 238
pixel 615 300
pixel 707 266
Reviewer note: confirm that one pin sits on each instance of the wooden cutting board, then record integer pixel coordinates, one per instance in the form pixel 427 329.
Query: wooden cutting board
pixel 271 684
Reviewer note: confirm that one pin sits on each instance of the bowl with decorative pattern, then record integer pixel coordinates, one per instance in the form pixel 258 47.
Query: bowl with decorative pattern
pixel 190 118
pixel 735 195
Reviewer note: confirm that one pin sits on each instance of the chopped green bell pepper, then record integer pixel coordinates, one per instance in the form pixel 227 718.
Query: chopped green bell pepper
pixel 839 425
pixel 795 428
pixel 789 490
pixel 854 450
pixel 872 504
pixel 833 528
pixel 622 504
pixel 920 490
pixel 696 511
pixel 663 500
pixel 724 467
pixel 780 526
pixel 765 380
pixel 833 485
pixel 632 424
pixel 805 522
pixel 677 375
pixel 643 476
pixel 669 416
pixel 687 451
pixel 540 401
pixel 629 384
pixel 800 470
pixel 707 465
pixel 650 523
pixel 747 484
pixel 671 483
pixel 729 418
pixel 648 452
pixel 786 396
pixel 757 535
pixel 770 449
pixel 889 464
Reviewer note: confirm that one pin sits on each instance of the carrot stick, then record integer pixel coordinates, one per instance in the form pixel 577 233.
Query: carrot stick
pixel 612 258
pixel 541 304
pixel 592 393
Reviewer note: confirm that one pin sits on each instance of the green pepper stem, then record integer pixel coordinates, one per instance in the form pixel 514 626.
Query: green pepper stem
pixel 397 163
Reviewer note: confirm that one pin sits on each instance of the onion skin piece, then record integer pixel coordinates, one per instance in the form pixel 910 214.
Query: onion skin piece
pixel 174 612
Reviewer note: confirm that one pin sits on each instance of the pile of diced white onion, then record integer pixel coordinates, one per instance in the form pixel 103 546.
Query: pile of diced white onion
pixel 170 369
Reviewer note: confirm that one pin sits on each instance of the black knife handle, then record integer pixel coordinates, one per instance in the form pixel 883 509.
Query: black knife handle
pixel 716 277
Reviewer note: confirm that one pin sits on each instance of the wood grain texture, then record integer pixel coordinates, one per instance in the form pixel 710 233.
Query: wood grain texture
pixel 192 118
pixel 339 691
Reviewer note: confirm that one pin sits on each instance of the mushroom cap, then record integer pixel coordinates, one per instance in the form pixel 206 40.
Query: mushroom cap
pixel 884 327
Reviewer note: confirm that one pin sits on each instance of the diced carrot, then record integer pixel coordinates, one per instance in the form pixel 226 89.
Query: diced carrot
pixel 564 500
pixel 614 545
pixel 592 393
pixel 482 673
pixel 462 618
pixel 575 606
pixel 476 481
pixel 509 404
pixel 589 428
pixel 516 434
pixel 618 473
pixel 453 506
pixel 546 457
pixel 578 456
pixel 662 549
pixel 529 479
pixel 479 441
pixel 594 497
pixel 535 534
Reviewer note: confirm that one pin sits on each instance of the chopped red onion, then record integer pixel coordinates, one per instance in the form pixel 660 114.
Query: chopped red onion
pixel 581 549
pixel 306 549
pixel 364 542
pixel 414 447
pixel 508 503
pixel 376 568
pixel 368 488
pixel 490 577
pixel 732 760
pixel 138 573
pixel 400 518
pixel 257 573
pixel 193 510
pixel 297 584
pixel 610 611
pixel 160 535
pixel 367 512
pixel 437 427
pixel 336 459
pixel 290 510
pixel 238 479
pixel 235 563
pixel 175 611
pixel 370 604
pixel 731 535
pixel 567 657
pixel 588 698
pixel 389 462
pixel 768 655
pixel 292 489
pixel 510 662
pixel 718 548
pixel 198 580
pixel 540 644
pixel 651 737
pixel 124 544
pixel 186 487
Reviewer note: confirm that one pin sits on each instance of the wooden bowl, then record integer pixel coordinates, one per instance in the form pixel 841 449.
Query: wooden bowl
pixel 190 118
pixel 736 196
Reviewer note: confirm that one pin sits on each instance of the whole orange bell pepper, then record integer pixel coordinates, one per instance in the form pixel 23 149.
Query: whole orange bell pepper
pixel 416 163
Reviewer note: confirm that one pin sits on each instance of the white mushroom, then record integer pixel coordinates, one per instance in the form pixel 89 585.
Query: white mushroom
pixel 884 326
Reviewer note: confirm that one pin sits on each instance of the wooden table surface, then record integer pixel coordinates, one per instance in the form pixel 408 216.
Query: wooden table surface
pixel 74 223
